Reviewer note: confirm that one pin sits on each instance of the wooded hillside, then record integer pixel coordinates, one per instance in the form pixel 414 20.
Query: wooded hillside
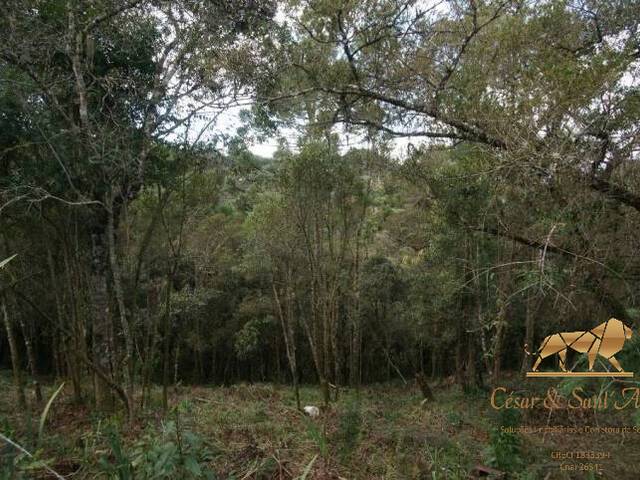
pixel 454 180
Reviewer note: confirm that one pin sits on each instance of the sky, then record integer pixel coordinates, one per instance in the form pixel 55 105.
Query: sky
pixel 229 122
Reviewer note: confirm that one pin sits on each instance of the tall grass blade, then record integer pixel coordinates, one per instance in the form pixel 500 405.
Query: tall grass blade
pixel 22 449
pixel 307 469
pixel 7 260
pixel 45 412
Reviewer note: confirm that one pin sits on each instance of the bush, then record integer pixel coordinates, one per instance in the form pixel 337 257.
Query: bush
pixel 504 447
pixel 172 454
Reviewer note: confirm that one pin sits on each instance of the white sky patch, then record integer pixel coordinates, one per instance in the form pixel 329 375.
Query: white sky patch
pixel 227 124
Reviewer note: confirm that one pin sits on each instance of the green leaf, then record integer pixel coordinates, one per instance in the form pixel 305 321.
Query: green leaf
pixel 192 466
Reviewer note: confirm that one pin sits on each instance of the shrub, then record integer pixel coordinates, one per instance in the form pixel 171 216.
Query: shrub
pixel 172 454
pixel 504 447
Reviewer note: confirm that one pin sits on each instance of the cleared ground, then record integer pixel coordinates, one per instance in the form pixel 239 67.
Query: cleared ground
pixel 255 432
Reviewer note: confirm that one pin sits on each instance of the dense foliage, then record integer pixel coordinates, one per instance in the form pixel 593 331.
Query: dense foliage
pixel 151 249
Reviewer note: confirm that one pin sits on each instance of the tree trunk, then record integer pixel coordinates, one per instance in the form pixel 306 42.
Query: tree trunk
pixel 461 321
pixel 31 358
pixel 286 322
pixel 292 343
pixel 69 334
pixel 460 350
pixel 176 361
pixel 15 356
pixel 326 355
pixel 501 326
pixel 166 330
pixel 58 334
pixel 151 342
pixel 502 323
pixel 529 332
pixel 128 361
pixel 434 362
pixel 55 350
pixel 423 385
pixel 335 348
pixel 355 372
pixel 101 318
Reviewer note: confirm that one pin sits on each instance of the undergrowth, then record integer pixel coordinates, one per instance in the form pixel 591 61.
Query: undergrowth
pixel 255 432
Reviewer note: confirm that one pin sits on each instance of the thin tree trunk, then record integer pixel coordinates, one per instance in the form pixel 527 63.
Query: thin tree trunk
pixel 31 358
pixel 485 351
pixel 175 364
pixel 166 327
pixel 102 350
pixel 15 356
pixel 460 350
pixel 335 347
pixel 70 351
pixel 76 52
pixel 151 342
pixel 497 350
pixel 55 348
pixel 501 322
pixel 326 353
pixel 124 321
pixel 289 337
pixel 529 323
pixel 278 377
pixel 434 362
pixel 58 335
pixel 462 358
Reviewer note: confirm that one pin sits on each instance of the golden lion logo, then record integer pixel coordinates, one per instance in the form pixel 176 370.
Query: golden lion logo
pixel 606 340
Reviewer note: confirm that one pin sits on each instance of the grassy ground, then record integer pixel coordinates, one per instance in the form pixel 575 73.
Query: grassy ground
pixel 255 432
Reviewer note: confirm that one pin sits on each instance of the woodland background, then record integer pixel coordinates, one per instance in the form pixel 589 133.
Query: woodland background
pixel 453 180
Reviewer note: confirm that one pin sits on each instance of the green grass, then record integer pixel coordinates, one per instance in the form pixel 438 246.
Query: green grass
pixel 255 432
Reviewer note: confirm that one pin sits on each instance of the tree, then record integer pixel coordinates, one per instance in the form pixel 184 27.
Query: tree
pixel 15 359
pixel 543 93
pixel 92 113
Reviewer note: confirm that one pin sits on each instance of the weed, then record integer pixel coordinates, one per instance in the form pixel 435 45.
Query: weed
pixel 318 436
pixel 504 447
pixel 454 419
pixel 349 426
pixel 172 454
pixel 445 462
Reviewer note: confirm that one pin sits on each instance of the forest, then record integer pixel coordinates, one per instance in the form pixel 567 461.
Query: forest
pixel 214 213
